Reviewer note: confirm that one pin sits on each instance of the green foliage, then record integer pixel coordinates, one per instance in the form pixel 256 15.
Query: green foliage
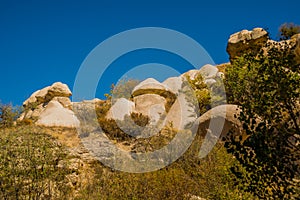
pixel 29 165
pixel 208 178
pixel 8 115
pixel 197 93
pixel 123 89
pixel 204 96
pixel 266 87
pixel 287 30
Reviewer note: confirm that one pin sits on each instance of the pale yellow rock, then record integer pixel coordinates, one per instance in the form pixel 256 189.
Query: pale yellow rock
pixel 120 108
pixel 151 86
pixel 152 105
pixel 42 94
pixel 31 99
pixel 181 114
pixel 56 115
pixel 60 90
pixel 65 101
pixel 219 118
pixel 245 41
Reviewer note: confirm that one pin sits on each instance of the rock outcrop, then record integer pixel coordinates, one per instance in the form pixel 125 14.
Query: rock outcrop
pixel 245 41
pixel 253 41
pixel 54 114
pixel 50 106
pixel 223 115
pixel 121 108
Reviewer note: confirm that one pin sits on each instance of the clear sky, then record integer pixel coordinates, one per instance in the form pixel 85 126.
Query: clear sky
pixel 42 42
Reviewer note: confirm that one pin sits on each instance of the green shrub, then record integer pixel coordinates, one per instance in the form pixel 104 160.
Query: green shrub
pixel 287 30
pixel 266 87
pixel 29 165
pixel 8 115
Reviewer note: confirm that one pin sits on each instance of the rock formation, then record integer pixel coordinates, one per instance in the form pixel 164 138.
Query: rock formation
pixel 224 113
pixel 50 106
pixel 253 41
pixel 54 114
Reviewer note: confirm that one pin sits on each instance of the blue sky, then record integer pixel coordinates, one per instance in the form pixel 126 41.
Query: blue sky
pixel 42 42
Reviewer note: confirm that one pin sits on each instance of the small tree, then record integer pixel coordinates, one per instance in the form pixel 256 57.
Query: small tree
pixel 267 88
pixel 8 114
pixel 124 88
pixel 287 30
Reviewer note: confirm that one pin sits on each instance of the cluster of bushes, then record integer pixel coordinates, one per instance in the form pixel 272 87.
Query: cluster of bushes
pixel 29 165
pixel 266 87
pixel 189 176
pixel 8 115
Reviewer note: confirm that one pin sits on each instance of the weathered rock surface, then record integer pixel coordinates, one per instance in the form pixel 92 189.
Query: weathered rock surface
pixel 219 118
pixel 174 84
pixel 56 115
pixel 152 105
pixel 121 108
pixel 181 113
pixel 152 86
pixel 208 71
pixel 46 94
pixel 253 41
pixel 51 106
pixel 245 41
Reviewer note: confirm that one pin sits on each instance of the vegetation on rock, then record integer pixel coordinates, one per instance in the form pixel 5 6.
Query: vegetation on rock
pixel 267 89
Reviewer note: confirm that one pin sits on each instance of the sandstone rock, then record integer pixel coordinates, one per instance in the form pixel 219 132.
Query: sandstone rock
pixel 37 111
pixel 210 81
pixel 253 41
pixel 59 89
pixel 56 115
pixel 93 101
pixel 208 71
pixel 245 41
pixel 211 121
pixel 32 99
pixel 192 74
pixel 152 105
pixel 46 94
pixel 181 113
pixel 42 96
pixel 121 108
pixel 173 84
pixel 152 86
pixel 39 100
pixel 64 101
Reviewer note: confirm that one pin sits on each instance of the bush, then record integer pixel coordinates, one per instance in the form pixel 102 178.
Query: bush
pixel 287 30
pixel 266 86
pixel 208 178
pixel 8 115
pixel 29 165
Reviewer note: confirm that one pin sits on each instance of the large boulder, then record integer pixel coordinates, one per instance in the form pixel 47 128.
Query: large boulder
pixel 245 41
pixel 46 94
pixel 153 98
pixel 120 109
pixel 173 84
pixel 220 118
pixel 208 71
pixel 56 115
pixel 253 41
pixel 50 106
pixel 181 114
pixel 152 105
pixel 152 86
